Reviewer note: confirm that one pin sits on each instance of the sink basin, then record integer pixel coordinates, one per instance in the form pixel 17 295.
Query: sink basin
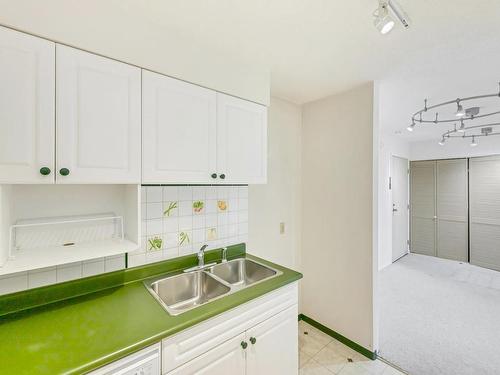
pixel 186 291
pixel 241 272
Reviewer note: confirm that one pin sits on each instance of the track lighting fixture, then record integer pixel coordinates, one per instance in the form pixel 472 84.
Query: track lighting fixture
pixel 461 129
pixel 473 143
pixel 441 142
pixel 385 13
pixel 460 110
pixel 410 128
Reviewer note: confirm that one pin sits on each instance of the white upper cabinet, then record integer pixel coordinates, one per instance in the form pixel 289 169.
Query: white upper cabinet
pixel 26 108
pixel 241 141
pixel 178 131
pixel 98 119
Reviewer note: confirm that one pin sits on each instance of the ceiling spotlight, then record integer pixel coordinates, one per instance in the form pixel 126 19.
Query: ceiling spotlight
pixel 383 20
pixel 441 142
pixel 473 143
pixel 411 127
pixel 460 110
pixel 461 129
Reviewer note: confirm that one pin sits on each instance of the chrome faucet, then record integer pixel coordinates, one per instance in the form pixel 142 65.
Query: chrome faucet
pixel 224 254
pixel 201 256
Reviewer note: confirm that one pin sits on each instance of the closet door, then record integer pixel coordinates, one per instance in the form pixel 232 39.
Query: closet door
pixel 98 119
pixel 484 184
pixel 27 128
pixel 451 199
pixel 423 207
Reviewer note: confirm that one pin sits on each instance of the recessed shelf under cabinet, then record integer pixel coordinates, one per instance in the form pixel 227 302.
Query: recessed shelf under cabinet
pixel 47 225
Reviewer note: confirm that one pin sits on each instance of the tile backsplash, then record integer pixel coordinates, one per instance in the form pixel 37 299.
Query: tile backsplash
pixel 178 220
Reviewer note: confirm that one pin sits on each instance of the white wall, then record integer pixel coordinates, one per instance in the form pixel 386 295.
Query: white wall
pixel 337 200
pixel 279 200
pixel 116 29
pixel 389 146
pixel 454 148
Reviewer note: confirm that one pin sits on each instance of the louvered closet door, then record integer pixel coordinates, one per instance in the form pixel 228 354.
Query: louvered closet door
pixel 484 184
pixel 423 207
pixel 451 207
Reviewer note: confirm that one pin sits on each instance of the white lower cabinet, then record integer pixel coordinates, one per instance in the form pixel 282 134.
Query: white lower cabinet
pixel 259 337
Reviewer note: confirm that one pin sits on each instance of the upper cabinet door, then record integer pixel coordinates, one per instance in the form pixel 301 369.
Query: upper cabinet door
pixel 179 131
pixel 26 108
pixel 98 119
pixel 241 141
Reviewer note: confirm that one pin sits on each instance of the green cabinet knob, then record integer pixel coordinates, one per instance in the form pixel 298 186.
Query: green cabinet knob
pixel 64 171
pixel 253 340
pixel 214 175
pixel 45 171
pixel 244 344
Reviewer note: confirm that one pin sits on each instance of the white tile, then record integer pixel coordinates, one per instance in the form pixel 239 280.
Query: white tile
pixel 243 192
pixel 170 240
pixel 144 214
pixel 170 224
pixel 93 267
pixel 232 218
pixel 222 231
pixel 68 272
pixel 170 209
pixel 222 219
pixel 144 194
pixel 233 192
pixel 185 193
pixel 391 371
pixel 13 283
pixel 114 263
pixel 186 250
pixel 154 194
pixel 233 240
pixel 243 204
pixel 242 228
pixel 154 210
pixel 313 368
pixel 211 192
pixel 243 238
pixel 171 253
pixel 185 223
pixel 154 256
pixel 185 208
pixel 136 260
pixel 242 216
pixel 198 236
pixel 232 230
pixel 222 192
pixel 170 193
pixel 198 221
pixel 199 193
pixel 154 227
pixel 45 276
pixel 211 206
pixel 211 220
pixel 232 204
pixel 185 239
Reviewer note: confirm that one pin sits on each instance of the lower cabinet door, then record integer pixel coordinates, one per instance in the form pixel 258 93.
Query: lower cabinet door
pixel 226 359
pixel 273 345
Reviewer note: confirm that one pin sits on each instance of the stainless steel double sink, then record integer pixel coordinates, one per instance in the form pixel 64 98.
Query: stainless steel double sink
pixel 186 291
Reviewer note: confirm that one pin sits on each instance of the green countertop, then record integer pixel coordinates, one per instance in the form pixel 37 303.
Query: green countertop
pixel 80 334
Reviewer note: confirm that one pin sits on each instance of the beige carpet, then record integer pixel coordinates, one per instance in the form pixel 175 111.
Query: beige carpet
pixel 440 317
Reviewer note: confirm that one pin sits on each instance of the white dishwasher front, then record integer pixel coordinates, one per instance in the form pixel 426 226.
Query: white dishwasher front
pixel 144 362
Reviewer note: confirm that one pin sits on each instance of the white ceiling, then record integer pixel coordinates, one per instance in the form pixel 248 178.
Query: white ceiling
pixel 315 48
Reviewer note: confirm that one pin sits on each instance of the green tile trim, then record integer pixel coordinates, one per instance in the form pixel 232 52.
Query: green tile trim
pixel 337 336
pixel 31 298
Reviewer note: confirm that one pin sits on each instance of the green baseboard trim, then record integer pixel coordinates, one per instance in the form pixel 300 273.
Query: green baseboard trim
pixel 337 336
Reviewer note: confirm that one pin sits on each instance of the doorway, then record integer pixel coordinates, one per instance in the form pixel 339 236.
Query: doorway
pixel 399 188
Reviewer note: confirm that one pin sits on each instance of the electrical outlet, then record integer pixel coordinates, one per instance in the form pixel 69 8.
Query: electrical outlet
pixel 282 228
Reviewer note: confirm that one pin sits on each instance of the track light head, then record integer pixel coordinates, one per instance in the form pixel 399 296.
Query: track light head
pixel 442 141
pixel 460 110
pixel 461 129
pixel 473 143
pixel 411 127
pixel 383 20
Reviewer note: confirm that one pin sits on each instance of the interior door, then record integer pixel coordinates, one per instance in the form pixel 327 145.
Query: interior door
pixel 400 217
pixel 423 207
pixel 484 184
pixel 452 209
pixel 179 131
pixel 241 141
pixel 273 345
pixel 226 359
pixel 98 119
pixel 27 128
